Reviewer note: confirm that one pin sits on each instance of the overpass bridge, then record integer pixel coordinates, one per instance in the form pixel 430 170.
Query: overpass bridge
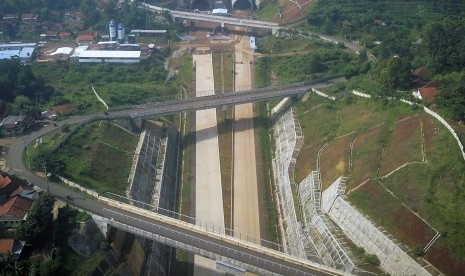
pixel 238 254
pixel 168 230
pixel 233 98
pixel 223 20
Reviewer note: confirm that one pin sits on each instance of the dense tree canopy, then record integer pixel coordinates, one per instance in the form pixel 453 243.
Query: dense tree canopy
pixel 17 80
pixel 445 43
pixel 39 220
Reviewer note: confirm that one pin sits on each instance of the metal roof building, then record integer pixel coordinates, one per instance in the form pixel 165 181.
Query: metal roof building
pixel 23 51
pixel 91 56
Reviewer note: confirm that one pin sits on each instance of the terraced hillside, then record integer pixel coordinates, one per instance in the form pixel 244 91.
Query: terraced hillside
pixel 405 170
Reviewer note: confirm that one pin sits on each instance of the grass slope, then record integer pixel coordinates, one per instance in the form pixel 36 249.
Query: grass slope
pixel 98 156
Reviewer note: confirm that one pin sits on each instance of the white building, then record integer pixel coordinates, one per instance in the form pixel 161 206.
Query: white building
pixel 92 56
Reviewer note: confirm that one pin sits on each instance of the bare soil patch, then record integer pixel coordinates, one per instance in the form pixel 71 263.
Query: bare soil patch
pixel 389 213
pixel 334 160
pixel 365 157
pixel 404 146
pixel 440 255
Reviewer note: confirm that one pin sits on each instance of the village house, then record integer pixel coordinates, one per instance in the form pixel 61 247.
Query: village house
pixel 427 92
pixel 13 125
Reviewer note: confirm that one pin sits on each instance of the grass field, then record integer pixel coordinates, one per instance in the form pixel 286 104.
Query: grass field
pixel 98 156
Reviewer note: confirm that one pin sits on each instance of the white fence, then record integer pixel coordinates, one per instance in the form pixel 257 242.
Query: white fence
pixel 79 187
pixel 360 94
pixel 446 124
pixel 432 113
pixel 319 93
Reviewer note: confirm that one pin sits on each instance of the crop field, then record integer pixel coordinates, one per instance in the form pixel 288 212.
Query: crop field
pixel 98 156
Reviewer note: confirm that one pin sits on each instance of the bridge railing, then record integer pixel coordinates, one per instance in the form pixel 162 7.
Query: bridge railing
pixel 158 101
pixel 209 249
pixel 210 227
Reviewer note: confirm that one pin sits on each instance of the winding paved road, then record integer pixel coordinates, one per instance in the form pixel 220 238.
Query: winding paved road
pixel 165 226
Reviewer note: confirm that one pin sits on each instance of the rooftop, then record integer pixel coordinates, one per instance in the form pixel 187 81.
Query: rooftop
pixel 16 207
pixel 110 54
pixel 4 181
pixel 6 245
pixel 149 31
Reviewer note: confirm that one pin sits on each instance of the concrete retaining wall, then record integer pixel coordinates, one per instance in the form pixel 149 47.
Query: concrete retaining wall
pixel 79 187
pixel 318 228
pixel 288 144
pixel 362 232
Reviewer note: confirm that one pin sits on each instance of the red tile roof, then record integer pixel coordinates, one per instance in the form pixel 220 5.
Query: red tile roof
pixel 4 181
pixel 85 37
pixel 428 93
pixel 6 245
pixel 52 33
pixel 16 207
pixel 64 34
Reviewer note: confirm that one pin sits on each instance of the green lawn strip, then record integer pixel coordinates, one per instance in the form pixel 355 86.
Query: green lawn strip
pixel 267 146
pixel 223 79
pixel 388 212
pixel 184 79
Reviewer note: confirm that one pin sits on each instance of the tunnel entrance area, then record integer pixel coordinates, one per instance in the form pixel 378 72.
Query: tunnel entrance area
pixel 201 5
pixel 242 5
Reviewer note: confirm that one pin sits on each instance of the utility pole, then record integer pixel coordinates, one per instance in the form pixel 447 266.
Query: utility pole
pixel 46 177
pixel 27 153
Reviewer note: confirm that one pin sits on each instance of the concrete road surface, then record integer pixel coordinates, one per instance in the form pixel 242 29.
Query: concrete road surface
pixel 246 209
pixel 208 192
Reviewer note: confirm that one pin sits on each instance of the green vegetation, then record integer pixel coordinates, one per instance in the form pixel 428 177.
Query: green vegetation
pixel 403 36
pixel 116 85
pixel 52 255
pixel 39 221
pixel 98 156
pixel 323 59
pixel 372 259
pixel 267 11
pixel 223 75
pixel 271 214
pixel 184 79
